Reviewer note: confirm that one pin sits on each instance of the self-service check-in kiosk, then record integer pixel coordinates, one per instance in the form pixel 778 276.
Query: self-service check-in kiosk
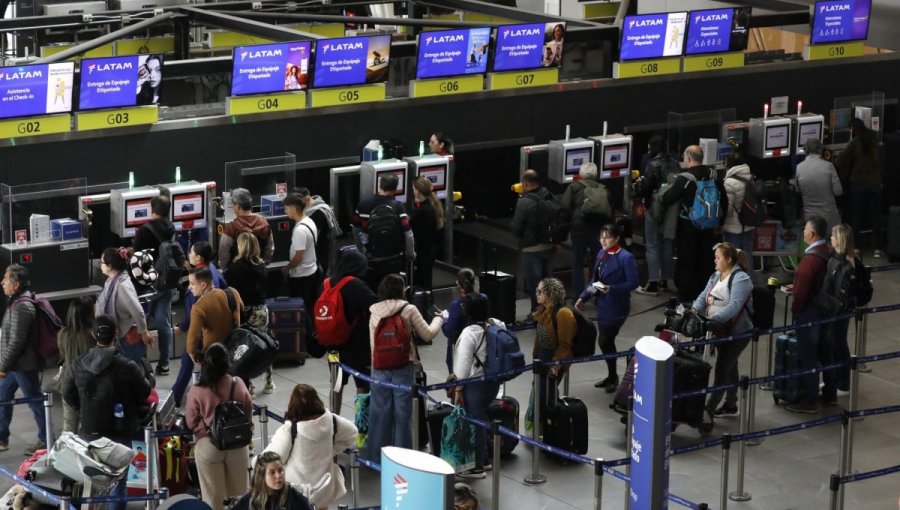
pixel 613 158
pixel 770 137
pixel 566 158
pixel 804 127
pixel 370 174
pixel 190 210
pixel 434 168
pixel 129 209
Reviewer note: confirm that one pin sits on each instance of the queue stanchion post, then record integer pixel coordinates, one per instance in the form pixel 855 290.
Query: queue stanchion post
pixel 263 426
pixel 413 394
pixel 772 284
pixel 48 419
pixel 151 466
pixel 863 367
pixel 842 459
pixel 153 447
pixel 726 448
pixel 598 483
pixel 739 494
pixel 163 493
pixel 333 360
pixel 495 472
pixel 64 503
pixel 754 366
pixel 833 485
pixel 535 477
pixel 703 506
pixel 354 477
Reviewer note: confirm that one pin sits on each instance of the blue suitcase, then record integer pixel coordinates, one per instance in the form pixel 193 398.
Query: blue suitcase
pixel 287 324
pixel 787 360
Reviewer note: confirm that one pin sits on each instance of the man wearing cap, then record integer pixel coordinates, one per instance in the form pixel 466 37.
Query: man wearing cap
pixel 244 221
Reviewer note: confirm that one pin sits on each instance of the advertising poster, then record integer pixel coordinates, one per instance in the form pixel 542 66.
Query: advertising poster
pixel 36 89
pixel 717 31
pixel 352 61
pixel 840 20
pixel 112 82
pixel 453 52
pixel 529 46
pixel 413 480
pixel 653 36
pixel 267 68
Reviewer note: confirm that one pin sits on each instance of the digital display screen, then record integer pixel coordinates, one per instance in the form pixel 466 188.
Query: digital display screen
pixel 187 206
pixel 840 20
pixel 777 137
pixel 266 68
pixel 36 89
pixel 529 46
pixel 717 31
pixel 575 158
pixel 840 119
pixel 453 52
pixel 808 131
pixel 615 156
pixel 653 36
pixel 352 61
pixel 137 212
pixel 120 81
pixel 437 175
pixel 401 181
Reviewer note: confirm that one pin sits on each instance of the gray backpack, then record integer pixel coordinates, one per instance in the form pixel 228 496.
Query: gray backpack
pixel 595 207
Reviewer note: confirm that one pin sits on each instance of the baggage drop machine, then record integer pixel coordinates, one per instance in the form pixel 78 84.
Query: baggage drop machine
pixel 438 170
pixel 613 158
pixel 192 210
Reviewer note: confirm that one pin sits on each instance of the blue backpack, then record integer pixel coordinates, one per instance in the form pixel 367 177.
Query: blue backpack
pixel 704 212
pixel 503 353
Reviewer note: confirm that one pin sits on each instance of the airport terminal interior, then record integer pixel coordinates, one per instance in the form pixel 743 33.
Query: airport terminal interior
pixel 137 98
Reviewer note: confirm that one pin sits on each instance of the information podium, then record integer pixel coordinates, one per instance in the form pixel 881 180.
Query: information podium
pixel 413 480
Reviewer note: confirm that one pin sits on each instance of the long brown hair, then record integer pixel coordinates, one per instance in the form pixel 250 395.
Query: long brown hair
pixel 424 187
pixel 259 493
pixel 305 404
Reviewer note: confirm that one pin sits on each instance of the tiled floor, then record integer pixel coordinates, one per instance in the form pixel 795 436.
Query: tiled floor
pixel 784 472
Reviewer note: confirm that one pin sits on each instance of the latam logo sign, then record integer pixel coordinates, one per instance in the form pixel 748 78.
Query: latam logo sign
pixel 654 22
pixel 834 7
pixel 402 488
pixel 443 39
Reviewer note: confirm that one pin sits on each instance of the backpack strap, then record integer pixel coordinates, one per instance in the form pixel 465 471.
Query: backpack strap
pixel 744 308
pixel 232 302
pixel 233 383
pixel 310 231
pixel 333 429
pixel 478 361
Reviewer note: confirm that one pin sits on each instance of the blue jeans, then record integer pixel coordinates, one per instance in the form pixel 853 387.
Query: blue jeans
pixel 183 377
pixel 161 311
pixel 136 352
pixel 536 265
pixel 31 387
pixel 581 241
pixel 744 242
pixel 865 200
pixel 390 411
pixel 808 354
pixel 476 399
pixel 660 262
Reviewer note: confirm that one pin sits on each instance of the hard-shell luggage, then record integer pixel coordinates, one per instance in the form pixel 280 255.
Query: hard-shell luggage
pixel 434 421
pixel 566 425
pixel 423 301
pixel 787 359
pixel 505 409
pixel 500 289
pixel 690 373
pixel 287 324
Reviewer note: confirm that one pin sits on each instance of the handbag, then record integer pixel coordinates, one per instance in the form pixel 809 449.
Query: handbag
pixel 458 441
pixel 102 460
pixel 361 419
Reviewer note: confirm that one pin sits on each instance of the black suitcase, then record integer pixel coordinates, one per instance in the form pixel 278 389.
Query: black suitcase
pixel 500 289
pixel 787 360
pixel 893 234
pixel 505 409
pixel 423 301
pixel 434 422
pixel 690 373
pixel 565 424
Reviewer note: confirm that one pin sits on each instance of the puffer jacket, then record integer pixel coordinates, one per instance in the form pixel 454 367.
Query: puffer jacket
pixel 18 339
pixel 735 190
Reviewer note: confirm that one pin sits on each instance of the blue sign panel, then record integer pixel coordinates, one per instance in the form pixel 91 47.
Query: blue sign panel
pixel 653 36
pixel 717 31
pixel 120 81
pixel 36 89
pixel 352 61
pixel 453 52
pixel 840 21
pixel 267 68
pixel 529 46
pixel 413 480
pixel 651 425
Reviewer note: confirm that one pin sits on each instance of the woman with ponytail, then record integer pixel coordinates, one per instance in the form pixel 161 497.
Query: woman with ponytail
pixel 119 299
pixel 427 221
pixel 457 314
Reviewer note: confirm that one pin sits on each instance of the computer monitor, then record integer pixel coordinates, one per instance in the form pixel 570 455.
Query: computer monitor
pixel 438 176
pixel 453 52
pixel 577 157
pixel 840 21
pixel 137 212
pixel 401 181
pixel 352 61
pixel 36 89
pixel 646 36
pixel 777 137
pixel 267 68
pixel 187 206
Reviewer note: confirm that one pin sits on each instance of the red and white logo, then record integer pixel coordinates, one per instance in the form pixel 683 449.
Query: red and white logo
pixel 402 487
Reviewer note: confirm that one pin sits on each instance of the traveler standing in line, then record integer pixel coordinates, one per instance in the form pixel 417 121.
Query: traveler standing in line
pixel 615 275
pixel 818 183
pixel 692 243
pixel 383 232
pixel 74 340
pixel 585 227
pixel 555 329
pixel 390 419
pixel 808 280
pixel 223 473
pixel 244 221
pixel 426 218
pixel 457 313
pixel 659 171
pixel 728 300
pixel 200 255
pixel 119 300
pixel 859 166
pixel 20 364
pixel 528 226
pixel 327 227
pixel 302 270
pixel 835 332
pixel 308 441
pixel 269 489
pixel 212 319
pixel 737 178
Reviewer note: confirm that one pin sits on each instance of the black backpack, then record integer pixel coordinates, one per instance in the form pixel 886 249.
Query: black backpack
pixel 585 341
pixel 385 232
pixel 231 427
pixel 554 220
pixel 752 211
pixel 169 261
pixel 844 288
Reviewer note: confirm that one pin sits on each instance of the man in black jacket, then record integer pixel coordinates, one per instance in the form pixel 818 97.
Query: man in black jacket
pixel 101 379
pixel 528 226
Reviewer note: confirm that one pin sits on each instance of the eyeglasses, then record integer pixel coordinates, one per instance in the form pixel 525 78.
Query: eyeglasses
pixel 538 291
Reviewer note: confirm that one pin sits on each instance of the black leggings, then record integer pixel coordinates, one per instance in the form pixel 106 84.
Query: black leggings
pixel 607 339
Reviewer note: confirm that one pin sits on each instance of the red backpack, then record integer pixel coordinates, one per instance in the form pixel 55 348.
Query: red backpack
pixel 330 322
pixel 393 342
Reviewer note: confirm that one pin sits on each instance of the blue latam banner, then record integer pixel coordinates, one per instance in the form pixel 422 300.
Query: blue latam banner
pixel 840 20
pixel 120 81
pixel 267 68
pixel 529 46
pixel 36 89
pixel 653 36
pixel 453 52
pixel 413 480
pixel 651 425
pixel 352 61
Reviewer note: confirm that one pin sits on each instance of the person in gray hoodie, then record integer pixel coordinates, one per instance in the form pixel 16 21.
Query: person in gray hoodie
pixel 818 183
pixel 737 177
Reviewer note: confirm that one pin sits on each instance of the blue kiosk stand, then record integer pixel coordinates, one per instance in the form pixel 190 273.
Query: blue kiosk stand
pixel 412 480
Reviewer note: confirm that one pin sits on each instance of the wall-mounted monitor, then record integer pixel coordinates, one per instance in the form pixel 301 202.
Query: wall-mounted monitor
pixel 187 206
pixel 112 82
pixel 352 61
pixel 36 89
pixel 401 180
pixel 267 68
pixel 647 36
pixel 453 52
pixel 840 21
pixel 529 46
pixel 718 30
pixel 438 176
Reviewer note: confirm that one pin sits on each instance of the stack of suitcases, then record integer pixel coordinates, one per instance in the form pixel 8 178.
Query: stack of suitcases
pixel 288 325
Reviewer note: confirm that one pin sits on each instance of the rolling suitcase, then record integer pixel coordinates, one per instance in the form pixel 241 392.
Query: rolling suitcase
pixel 893 234
pixel 505 409
pixel 423 301
pixel 287 325
pixel 565 423
pixel 690 373
pixel 786 360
